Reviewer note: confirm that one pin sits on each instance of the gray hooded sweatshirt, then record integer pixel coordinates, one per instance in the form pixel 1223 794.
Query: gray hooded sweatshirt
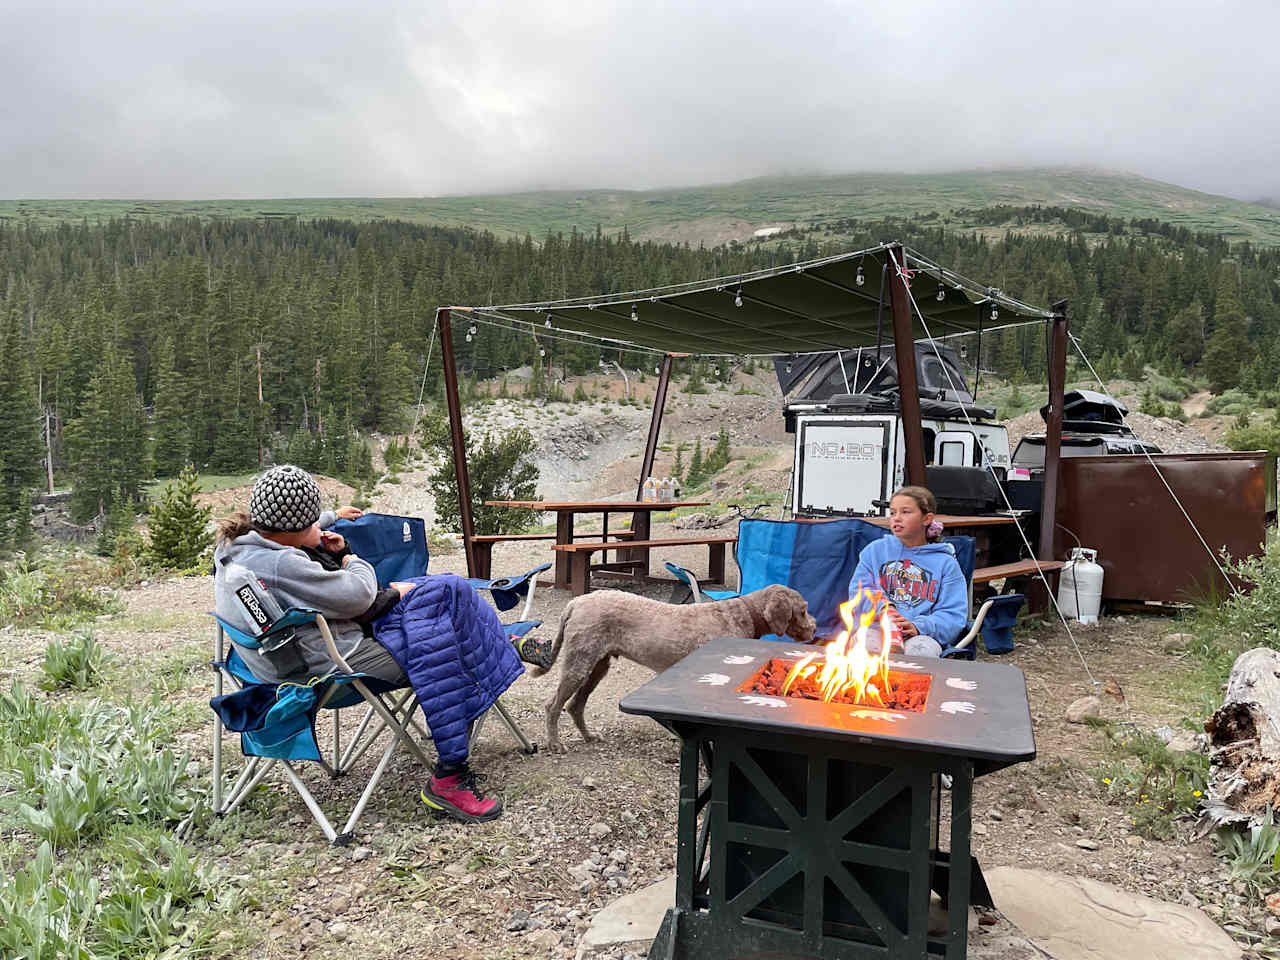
pixel 295 580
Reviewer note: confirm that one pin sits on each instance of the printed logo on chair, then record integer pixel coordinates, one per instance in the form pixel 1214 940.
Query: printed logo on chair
pixel 253 607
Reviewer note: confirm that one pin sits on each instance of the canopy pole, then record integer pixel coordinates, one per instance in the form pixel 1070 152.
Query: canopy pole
pixel 1053 427
pixel 655 424
pixel 459 444
pixel 904 350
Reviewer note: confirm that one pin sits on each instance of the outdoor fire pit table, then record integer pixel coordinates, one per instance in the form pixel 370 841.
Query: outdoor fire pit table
pixel 815 830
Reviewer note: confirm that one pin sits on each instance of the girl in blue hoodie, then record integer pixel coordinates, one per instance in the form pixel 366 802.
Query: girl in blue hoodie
pixel 917 573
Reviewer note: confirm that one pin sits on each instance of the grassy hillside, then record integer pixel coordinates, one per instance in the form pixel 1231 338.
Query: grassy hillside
pixel 717 214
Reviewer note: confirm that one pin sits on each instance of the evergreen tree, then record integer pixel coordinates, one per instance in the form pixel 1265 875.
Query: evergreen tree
pixel 1226 352
pixel 720 455
pixel 696 466
pixel 106 444
pixel 21 452
pixel 170 427
pixel 677 469
pixel 178 527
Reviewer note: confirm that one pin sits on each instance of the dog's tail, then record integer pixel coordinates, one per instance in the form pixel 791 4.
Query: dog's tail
pixel 559 642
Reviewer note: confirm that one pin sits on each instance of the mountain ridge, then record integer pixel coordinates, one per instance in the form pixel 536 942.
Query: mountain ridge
pixel 720 213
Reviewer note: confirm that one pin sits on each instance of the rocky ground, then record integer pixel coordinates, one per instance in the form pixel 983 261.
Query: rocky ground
pixel 584 828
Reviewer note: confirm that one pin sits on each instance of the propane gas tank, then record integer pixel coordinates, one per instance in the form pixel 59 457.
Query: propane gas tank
pixel 1080 586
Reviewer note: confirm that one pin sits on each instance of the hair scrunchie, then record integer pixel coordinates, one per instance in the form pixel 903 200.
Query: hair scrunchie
pixel 934 529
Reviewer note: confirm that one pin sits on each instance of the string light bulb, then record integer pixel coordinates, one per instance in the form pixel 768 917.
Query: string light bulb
pixel 472 331
pixel 964 352
pixel 548 323
pixel 634 315
pixel 468 338
pixel 942 291
pixel 737 299
pixel 789 359
pixel 861 278
pixel 995 312
pixel 542 352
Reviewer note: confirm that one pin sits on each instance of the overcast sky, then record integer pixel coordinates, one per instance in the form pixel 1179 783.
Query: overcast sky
pixel 180 100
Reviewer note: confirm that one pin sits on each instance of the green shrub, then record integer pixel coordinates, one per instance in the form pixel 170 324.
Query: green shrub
pixel 179 527
pixel 1250 618
pixel 93 767
pixel 1230 403
pixel 1254 436
pixel 501 467
pixel 49 596
pixel 75 664
pixel 1156 785
pixel 1252 856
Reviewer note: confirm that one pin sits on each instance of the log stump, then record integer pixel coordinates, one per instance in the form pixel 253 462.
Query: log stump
pixel 1244 742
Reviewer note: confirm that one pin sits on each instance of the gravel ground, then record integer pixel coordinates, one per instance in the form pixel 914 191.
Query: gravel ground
pixel 584 828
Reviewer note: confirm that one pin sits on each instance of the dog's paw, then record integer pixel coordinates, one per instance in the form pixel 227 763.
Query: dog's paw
pixel 589 737
pixel 555 746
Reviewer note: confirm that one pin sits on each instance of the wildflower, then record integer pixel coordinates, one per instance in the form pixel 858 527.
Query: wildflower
pixel 1107 781
pixel 1196 793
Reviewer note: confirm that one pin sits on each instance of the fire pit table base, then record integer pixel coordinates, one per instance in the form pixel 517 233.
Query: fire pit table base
pixel 811 849
pixel 815 830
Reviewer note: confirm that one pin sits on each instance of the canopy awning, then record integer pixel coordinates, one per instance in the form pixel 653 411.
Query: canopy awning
pixel 810 307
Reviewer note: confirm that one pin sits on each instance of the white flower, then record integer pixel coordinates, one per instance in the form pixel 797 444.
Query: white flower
pixel 715 679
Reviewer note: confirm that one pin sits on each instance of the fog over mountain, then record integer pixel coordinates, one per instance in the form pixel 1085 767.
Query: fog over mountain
pixel 392 98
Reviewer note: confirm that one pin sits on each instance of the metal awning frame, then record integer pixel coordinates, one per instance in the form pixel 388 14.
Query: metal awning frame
pixel 785 317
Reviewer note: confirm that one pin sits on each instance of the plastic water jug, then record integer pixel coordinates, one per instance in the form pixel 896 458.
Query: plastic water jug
pixel 650 493
pixel 1080 586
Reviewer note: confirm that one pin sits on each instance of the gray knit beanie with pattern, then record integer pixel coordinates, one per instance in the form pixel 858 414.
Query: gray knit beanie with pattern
pixel 284 500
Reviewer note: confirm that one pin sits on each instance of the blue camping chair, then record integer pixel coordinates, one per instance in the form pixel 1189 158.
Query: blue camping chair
pixel 994 619
pixel 277 721
pixel 814 559
pixel 817 559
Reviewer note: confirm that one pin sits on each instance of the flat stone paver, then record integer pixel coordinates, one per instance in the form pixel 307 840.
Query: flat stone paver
pixel 1075 918
pixel 633 919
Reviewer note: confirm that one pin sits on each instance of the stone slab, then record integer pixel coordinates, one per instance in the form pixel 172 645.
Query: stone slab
pixel 1075 918
pixel 631 921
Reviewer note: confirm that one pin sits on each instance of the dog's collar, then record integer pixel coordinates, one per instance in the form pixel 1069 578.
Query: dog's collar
pixel 759 625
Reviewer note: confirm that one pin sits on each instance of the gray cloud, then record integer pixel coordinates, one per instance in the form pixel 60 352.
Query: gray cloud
pixel 392 98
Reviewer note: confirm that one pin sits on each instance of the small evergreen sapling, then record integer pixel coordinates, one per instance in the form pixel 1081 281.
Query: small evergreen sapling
pixel 179 526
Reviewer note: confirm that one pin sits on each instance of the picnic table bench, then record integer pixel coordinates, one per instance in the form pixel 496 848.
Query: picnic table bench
pixel 482 545
pixel 580 566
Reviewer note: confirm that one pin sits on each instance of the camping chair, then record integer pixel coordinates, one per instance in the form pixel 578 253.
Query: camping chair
pixel 994 619
pixel 276 722
pixel 814 559
pixel 397 549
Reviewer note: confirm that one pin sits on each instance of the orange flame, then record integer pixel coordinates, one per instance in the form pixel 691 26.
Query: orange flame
pixel 848 669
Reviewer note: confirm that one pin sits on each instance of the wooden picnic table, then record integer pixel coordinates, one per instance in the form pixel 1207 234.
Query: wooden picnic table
pixel 566 510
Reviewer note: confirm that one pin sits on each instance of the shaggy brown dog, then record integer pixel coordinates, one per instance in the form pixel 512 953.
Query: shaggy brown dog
pixel 611 623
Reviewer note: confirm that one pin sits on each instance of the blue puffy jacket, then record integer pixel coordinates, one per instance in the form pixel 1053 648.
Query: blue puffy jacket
pixel 456 653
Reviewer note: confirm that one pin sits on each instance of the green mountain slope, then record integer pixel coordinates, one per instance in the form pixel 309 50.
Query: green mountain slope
pixel 717 214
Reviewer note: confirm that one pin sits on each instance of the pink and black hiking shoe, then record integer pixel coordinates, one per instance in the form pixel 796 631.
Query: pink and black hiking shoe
pixel 458 796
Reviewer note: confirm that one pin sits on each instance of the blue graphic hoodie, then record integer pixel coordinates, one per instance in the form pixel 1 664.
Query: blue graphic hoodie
pixel 924 584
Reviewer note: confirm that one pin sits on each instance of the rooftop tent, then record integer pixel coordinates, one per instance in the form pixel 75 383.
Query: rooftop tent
pixel 1091 407
pixel 865 371
pixel 802 308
